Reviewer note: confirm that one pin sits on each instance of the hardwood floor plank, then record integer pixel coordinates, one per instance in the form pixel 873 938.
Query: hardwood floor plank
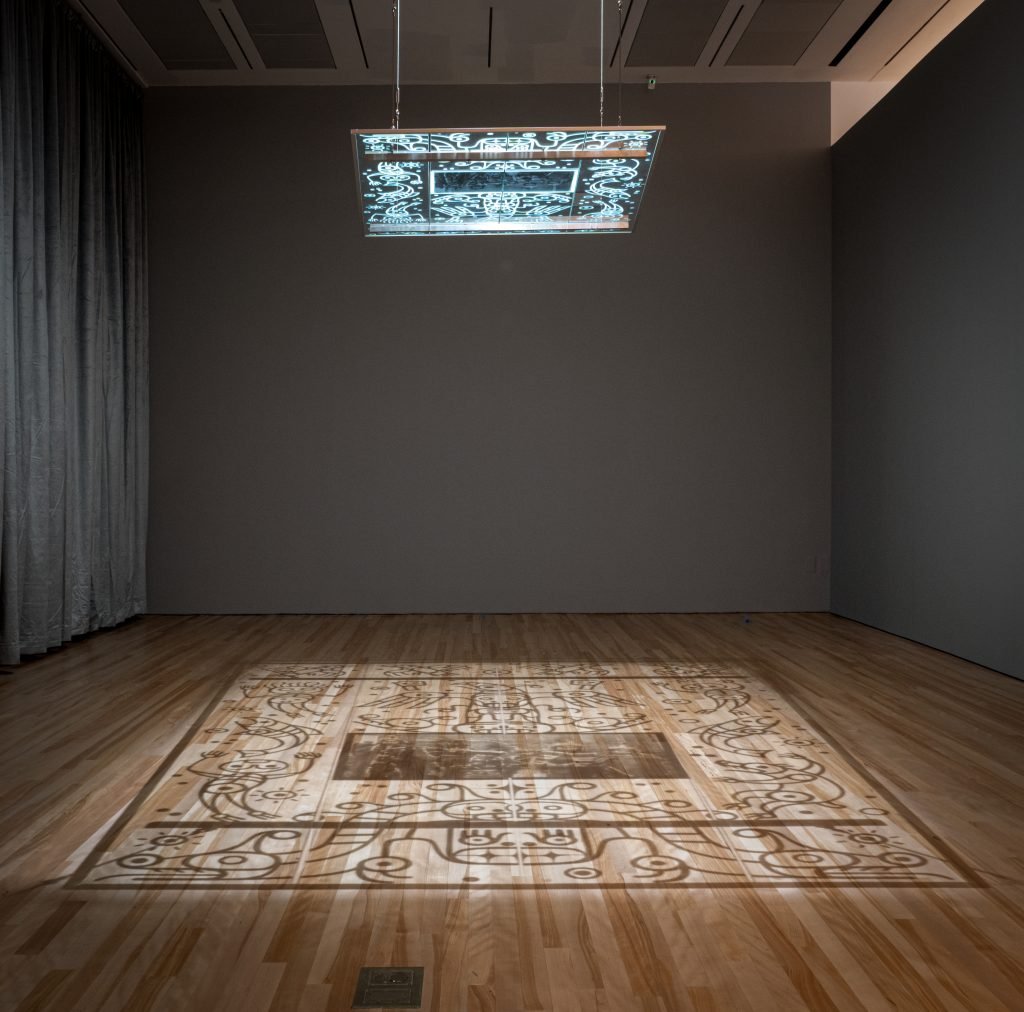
pixel 44 995
pixel 841 829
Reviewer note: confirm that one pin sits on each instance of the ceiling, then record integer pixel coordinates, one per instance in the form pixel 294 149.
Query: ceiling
pixel 261 42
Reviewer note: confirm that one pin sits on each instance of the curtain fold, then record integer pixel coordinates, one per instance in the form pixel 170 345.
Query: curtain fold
pixel 73 333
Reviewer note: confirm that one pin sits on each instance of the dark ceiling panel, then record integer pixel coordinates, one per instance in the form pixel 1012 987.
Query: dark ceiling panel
pixel 180 33
pixel 287 33
pixel 674 33
pixel 780 32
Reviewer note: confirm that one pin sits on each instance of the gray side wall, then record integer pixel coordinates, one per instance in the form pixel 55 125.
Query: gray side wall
pixel 490 424
pixel 928 477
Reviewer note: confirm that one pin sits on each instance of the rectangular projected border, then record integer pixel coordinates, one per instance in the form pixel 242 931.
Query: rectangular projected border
pixel 251 797
pixel 535 180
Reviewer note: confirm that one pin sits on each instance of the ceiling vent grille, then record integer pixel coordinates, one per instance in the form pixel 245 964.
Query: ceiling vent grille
pixel 859 33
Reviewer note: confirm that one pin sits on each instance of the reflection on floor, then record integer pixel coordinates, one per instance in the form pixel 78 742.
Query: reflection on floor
pixel 506 775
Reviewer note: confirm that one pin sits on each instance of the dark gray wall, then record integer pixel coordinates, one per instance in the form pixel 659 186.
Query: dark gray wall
pixel 929 351
pixel 488 424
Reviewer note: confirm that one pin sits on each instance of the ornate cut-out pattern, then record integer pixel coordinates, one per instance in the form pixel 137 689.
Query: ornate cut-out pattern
pixel 428 774
pixel 491 181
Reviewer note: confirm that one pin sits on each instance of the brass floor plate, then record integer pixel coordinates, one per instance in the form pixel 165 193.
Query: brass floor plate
pixel 389 987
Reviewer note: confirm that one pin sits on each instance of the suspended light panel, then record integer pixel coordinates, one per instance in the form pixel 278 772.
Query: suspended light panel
pixel 522 181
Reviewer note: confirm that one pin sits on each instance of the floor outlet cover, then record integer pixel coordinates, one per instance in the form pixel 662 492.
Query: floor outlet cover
pixel 389 987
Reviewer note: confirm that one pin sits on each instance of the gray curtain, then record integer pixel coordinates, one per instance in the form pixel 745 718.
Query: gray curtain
pixel 73 333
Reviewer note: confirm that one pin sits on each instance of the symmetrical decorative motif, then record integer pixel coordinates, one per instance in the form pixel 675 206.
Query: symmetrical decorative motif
pixel 510 775
pixel 492 182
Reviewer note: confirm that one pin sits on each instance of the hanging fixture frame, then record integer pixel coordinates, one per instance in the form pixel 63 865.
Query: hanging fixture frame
pixel 503 180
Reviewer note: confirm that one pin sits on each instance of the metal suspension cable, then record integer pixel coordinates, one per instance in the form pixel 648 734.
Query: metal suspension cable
pixel 600 59
pixel 618 47
pixel 396 91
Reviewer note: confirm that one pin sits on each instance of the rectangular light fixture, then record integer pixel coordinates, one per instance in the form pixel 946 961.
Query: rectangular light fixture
pixel 500 181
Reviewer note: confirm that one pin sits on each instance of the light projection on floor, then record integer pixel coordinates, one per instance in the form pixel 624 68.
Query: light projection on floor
pixel 509 181
pixel 550 775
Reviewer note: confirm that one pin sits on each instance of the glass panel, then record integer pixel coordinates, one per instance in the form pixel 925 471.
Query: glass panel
pixel 492 182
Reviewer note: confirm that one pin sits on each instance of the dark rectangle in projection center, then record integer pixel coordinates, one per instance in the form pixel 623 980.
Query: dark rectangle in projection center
pixel 553 756
pixel 513 181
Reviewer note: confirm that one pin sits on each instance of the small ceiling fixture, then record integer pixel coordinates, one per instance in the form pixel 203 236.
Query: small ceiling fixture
pixel 499 180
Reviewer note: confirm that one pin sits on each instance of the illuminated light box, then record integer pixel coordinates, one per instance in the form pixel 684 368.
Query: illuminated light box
pixel 535 180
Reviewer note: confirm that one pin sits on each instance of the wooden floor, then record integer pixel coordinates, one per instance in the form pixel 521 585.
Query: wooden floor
pixel 564 813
